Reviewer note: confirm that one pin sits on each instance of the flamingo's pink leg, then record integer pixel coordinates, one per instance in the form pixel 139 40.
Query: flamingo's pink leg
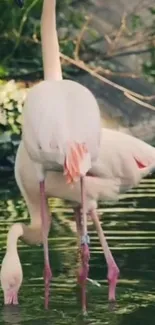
pixel 15 299
pixel 85 255
pixel 83 273
pixel 76 164
pixel 113 270
pixel 45 223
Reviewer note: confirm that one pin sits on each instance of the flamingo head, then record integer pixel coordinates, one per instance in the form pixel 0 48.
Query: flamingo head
pixel 20 3
pixel 11 274
pixel 11 277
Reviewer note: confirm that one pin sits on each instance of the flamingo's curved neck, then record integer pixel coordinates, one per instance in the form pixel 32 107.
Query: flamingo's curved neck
pixel 49 41
pixel 14 233
pixel 32 234
pixel 29 234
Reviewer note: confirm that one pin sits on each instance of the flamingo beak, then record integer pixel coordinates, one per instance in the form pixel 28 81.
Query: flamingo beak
pixel 20 3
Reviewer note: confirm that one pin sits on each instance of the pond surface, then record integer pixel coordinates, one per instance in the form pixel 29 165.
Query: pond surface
pixel 130 230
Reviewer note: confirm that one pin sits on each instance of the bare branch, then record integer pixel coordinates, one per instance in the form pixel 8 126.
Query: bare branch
pixel 118 34
pixel 113 73
pixel 83 66
pixel 80 37
pixel 140 102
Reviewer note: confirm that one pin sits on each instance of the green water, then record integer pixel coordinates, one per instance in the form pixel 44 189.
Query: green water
pixel 130 230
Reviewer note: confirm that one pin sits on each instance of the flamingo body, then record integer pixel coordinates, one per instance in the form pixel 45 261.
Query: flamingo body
pixel 115 171
pixel 59 114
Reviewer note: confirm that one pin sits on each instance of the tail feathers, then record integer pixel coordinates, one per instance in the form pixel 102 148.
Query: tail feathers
pixel 77 162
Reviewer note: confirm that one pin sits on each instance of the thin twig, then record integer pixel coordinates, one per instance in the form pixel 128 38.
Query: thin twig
pixel 83 66
pixel 108 39
pixel 138 101
pixel 119 33
pixel 113 73
pixel 123 27
pixel 133 43
pixel 80 37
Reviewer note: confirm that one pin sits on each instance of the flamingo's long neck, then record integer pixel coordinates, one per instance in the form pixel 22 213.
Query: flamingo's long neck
pixel 49 40
pixel 14 233
pixel 29 234
pixel 32 235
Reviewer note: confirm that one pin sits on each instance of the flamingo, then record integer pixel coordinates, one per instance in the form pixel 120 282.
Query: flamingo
pixel 122 162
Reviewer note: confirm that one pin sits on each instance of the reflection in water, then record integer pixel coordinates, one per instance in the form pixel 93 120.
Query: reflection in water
pixel 130 229
pixel 11 315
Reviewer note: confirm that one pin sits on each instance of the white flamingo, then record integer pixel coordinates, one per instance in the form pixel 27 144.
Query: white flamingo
pixel 122 162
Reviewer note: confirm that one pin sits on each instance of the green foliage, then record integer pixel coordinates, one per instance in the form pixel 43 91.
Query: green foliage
pixel 152 10
pixel 20 34
pixel 148 66
pixel 11 101
pixel 136 21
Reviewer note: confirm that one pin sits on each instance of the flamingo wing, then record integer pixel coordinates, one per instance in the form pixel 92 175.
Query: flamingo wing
pixel 124 157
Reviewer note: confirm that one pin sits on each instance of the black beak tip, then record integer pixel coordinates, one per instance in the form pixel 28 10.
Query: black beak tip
pixel 20 3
